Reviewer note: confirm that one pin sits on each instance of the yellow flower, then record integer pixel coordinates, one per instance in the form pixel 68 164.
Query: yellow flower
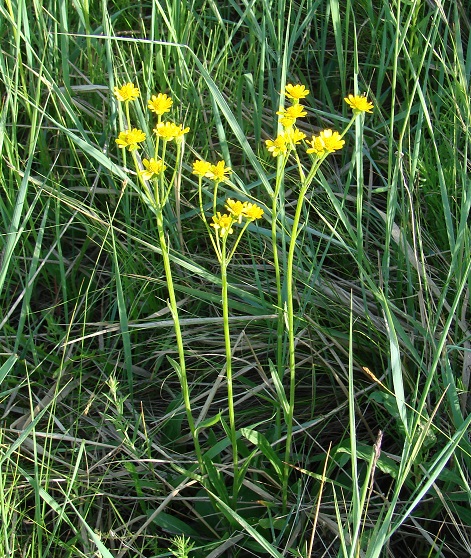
pixel 294 136
pixel 326 142
pixel 169 131
pixel 287 122
pixel 290 114
pixel 152 167
pixel 130 139
pixel 128 92
pixel 317 146
pixel 201 168
pixel 278 146
pixel 239 209
pixel 222 224
pixel 236 208
pixel 219 172
pixel 359 103
pixel 296 92
pixel 160 103
pixel 252 211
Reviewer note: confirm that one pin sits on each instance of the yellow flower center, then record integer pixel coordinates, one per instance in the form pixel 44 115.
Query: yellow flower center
pixel 219 172
pixel 296 92
pixel 359 103
pixel 128 92
pixel 130 139
pixel 326 142
pixel 152 167
pixel 160 104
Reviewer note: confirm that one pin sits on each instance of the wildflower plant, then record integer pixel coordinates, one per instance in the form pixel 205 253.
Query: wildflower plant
pixel 222 227
pixel 226 227
pixel 155 190
pixel 385 343
pixel 292 143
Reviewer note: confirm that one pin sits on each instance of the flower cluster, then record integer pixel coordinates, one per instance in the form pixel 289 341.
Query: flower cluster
pixel 168 131
pixel 218 172
pixel 290 115
pixel 326 142
pixel 223 224
pixel 286 140
pixel 237 211
pixel 246 210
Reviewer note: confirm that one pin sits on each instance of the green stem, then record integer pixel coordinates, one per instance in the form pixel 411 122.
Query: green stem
pixel 158 209
pixel 178 335
pixel 305 183
pixel 276 264
pixel 203 216
pixel 128 118
pixel 291 342
pixel 230 394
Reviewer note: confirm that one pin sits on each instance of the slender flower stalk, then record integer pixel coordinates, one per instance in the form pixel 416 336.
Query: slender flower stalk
pixel 160 193
pixel 282 159
pixel 281 147
pixel 223 225
pixel 156 192
pixel 290 316
pixel 319 147
pixel 228 349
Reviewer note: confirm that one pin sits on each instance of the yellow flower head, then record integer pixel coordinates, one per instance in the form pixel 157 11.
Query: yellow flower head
pixel 169 131
pixel 219 172
pixel 152 167
pixel 236 208
pixel 201 168
pixel 294 136
pixel 128 92
pixel 278 146
pixel 326 142
pixel 296 92
pixel 290 114
pixel 130 139
pixel 160 104
pixel 359 103
pixel 252 211
pixel 281 144
pixel 246 210
pixel 287 122
pixel 222 224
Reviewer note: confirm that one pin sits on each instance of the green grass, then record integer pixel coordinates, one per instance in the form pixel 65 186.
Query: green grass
pixel 96 453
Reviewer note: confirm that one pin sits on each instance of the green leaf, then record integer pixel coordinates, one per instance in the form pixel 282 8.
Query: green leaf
pixel 364 452
pixel 176 367
pixel 264 446
pixel 280 390
pixel 211 421
pixel 233 515
pixel 216 479
pixel 7 366
pixel 172 524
